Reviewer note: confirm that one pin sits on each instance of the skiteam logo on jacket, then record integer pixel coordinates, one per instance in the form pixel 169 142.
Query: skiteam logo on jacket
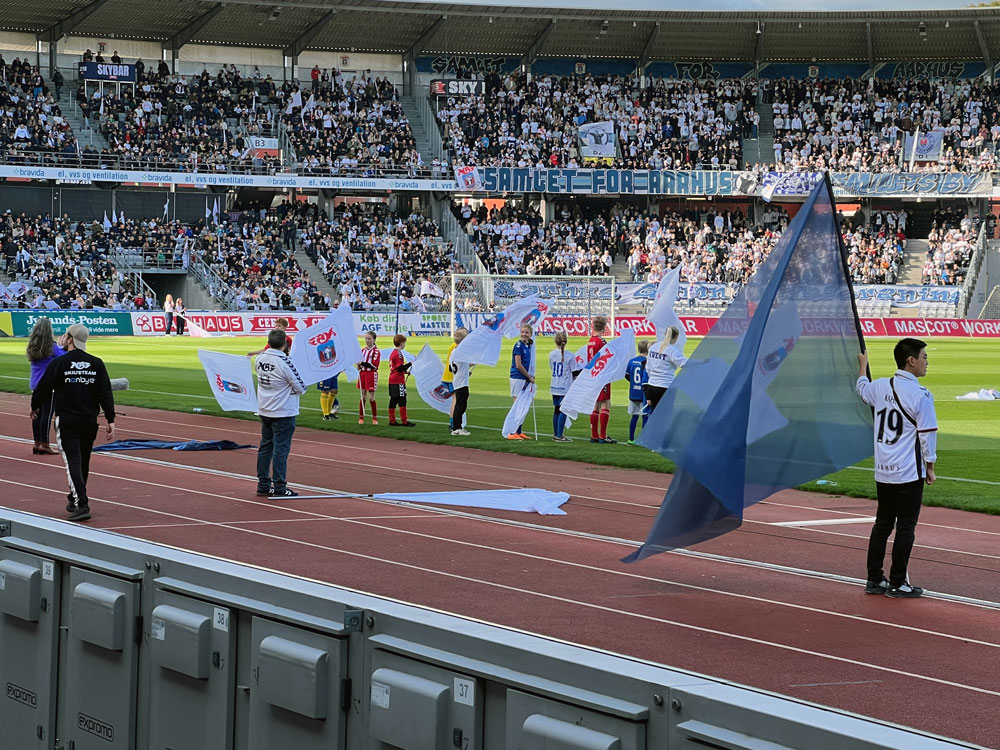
pixel 79 365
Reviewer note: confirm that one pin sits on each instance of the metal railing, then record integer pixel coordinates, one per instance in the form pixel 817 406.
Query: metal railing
pixel 972 272
pixel 159 258
pixel 429 120
pixel 217 287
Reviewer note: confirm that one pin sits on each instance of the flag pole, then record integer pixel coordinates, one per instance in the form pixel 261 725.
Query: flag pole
pixel 534 414
pixel 398 280
pixel 846 266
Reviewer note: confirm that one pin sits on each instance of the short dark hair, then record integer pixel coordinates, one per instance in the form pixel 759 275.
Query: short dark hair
pixel 906 348
pixel 276 338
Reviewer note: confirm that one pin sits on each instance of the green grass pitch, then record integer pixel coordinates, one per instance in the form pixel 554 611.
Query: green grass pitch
pixel 165 373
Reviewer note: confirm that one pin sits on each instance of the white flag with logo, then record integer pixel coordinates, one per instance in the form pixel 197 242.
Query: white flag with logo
pixel 482 346
pixel 230 378
pixel 662 314
pixel 196 331
pixel 427 371
pixel 597 140
pixel 468 178
pixel 327 348
pixel 607 366
pixel 431 289
pixel 519 410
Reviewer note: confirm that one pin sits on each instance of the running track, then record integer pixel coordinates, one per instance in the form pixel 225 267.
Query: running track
pixel 777 607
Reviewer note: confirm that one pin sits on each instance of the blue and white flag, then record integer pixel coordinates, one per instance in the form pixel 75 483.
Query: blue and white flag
pixel 928 146
pixel 427 371
pixel 16 289
pixel 597 140
pixel 763 405
pixel 114 216
pixel 468 178
pixel 327 348
pixel 230 378
pixel 482 345
pixel 607 366
pixel 662 314
pixel 107 222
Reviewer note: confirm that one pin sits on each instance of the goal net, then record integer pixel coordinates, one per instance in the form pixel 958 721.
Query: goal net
pixel 574 300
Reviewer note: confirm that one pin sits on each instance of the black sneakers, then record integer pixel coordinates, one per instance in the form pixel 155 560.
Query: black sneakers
pixel 284 493
pixel 877 587
pixel 80 514
pixel 264 493
pixel 70 502
pixel 906 591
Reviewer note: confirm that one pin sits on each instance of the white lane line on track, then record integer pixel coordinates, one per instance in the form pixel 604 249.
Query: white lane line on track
pixel 576 602
pixel 824 522
pixel 625 542
pixel 531 527
pixel 478 427
pixel 577 495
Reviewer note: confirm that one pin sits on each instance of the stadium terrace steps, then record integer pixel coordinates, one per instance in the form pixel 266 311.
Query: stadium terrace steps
pixel 196 297
pixel 71 113
pixel 911 269
pixel 761 149
pixel 620 269
pixel 419 128
pixel 315 276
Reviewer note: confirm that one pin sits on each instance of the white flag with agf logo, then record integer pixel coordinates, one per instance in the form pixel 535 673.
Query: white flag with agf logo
pixel 327 348
pixel 230 378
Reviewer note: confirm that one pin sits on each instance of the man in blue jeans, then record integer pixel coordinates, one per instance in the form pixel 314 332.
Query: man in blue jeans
pixel 279 386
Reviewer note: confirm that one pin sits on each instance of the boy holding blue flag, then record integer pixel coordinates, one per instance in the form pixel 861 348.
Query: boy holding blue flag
pixel 635 374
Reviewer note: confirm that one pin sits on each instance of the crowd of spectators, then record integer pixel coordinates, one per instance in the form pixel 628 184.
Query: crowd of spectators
pixel 362 249
pixel 350 125
pixel 668 124
pixel 71 263
pixel 194 123
pixel 949 247
pixel 253 258
pixel 31 121
pixel 875 249
pixel 860 125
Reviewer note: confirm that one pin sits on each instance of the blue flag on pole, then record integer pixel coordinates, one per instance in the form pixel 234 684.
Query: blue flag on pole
pixel 766 401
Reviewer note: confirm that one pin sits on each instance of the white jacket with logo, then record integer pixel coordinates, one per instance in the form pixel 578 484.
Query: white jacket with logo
pixel 279 385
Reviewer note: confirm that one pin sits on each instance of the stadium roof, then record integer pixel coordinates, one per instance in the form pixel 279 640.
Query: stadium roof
pixel 628 30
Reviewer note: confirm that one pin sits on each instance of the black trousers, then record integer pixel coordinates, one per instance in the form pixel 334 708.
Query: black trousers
pixel 180 322
pixel 41 425
pixel 899 506
pixel 397 395
pixel 653 395
pixel 76 436
pixel 461 403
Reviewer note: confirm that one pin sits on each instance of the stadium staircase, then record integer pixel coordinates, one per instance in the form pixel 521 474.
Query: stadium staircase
pixel 911 270
pixel 620 270
pixel 196 297
pixel 71 113
pixel 316 276
pixel 425 141
pixel 762 149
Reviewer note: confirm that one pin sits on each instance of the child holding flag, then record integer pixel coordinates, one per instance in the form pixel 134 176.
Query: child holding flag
pixel 602 408
pixel 328 402
pixel 636 375
pixel 448 378
pixel 371 358
pixel 460 372
pixel 564 369
pixel 520 372
pixel 399 369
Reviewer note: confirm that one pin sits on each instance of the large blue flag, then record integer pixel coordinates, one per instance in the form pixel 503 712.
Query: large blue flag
pixel 766 401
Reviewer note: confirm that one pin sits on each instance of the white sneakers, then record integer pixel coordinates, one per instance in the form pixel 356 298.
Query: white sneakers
pixel 460 432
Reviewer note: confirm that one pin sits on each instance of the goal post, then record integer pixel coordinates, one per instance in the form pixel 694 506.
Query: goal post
pixel 574 300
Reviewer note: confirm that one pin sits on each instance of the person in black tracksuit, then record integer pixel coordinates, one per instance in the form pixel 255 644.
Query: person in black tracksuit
pixel 81 388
